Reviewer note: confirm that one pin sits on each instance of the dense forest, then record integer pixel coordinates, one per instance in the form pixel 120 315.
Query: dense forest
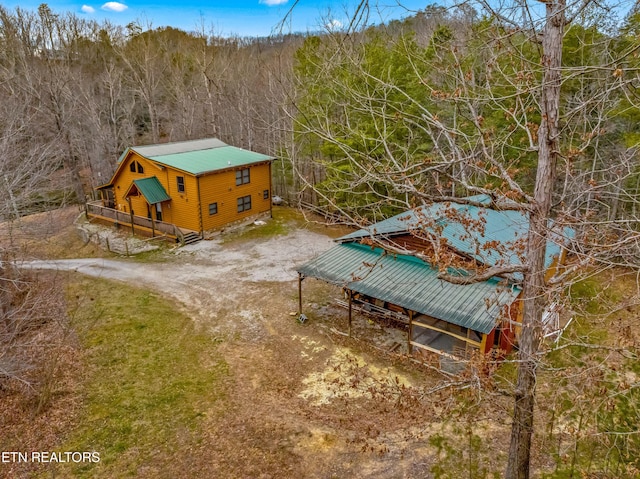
pixel 76 93
pixel 536 110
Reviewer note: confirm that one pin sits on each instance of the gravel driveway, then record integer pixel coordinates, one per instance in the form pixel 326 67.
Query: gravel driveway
pixel 207 276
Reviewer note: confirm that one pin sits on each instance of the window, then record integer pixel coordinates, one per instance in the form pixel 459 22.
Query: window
pixel 244 203
pixel 213 209
pixel 136 166
pixel 265 194
pixel 180 180
pixel 242 177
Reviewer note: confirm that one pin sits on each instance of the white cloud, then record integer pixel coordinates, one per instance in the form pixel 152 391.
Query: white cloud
pixel 114 7
pixel 87 9
pixel 333 25
pixel 273 3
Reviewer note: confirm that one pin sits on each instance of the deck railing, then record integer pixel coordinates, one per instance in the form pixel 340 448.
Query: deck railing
pixel 127 219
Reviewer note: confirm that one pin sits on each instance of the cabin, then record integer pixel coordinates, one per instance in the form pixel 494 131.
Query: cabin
pixel 185 188
pixel 390 270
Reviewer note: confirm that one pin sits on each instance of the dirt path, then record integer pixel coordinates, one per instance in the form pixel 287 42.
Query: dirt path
pixel 228 288
pixel 208 274
pixel 298 397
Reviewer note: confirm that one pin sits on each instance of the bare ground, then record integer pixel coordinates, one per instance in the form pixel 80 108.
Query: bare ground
pixel 304 401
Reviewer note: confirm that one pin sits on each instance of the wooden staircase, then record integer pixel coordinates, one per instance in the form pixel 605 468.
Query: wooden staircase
pixel 191 237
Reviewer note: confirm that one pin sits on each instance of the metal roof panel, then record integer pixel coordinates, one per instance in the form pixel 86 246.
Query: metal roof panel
pixel 151 189
pixel 215 159
pixel 412 284
pixel 490 236
pixel 198 157
pixel 178 147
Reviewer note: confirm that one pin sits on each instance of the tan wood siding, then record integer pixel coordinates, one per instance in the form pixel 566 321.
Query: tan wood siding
pixel 190 208
pixel 126 177
pixel 183 205
pixel 221 188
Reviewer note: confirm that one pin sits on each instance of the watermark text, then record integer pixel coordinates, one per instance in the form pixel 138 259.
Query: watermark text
pixel 77 457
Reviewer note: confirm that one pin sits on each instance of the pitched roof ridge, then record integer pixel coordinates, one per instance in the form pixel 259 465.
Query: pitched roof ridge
pixel 173 147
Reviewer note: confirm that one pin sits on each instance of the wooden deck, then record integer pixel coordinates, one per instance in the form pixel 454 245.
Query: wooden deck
pixel 140 224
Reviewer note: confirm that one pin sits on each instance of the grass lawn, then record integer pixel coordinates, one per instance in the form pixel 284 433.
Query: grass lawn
pixel 149 381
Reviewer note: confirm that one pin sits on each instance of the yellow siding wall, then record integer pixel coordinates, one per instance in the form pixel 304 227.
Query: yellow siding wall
pixel 221 188
pixel 190 209
pixel 126 177
pixel 183 206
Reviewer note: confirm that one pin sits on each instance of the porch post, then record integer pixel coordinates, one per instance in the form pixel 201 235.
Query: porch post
pixel 133 229
pixel 153 210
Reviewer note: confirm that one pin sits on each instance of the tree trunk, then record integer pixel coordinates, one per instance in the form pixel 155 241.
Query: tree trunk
pixel 533 290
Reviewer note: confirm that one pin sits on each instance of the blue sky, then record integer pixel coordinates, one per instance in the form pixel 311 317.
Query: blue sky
pixel 223 17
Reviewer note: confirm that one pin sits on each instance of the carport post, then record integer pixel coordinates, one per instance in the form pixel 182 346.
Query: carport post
pixel 300 278
pixel 350 302
pixel 410 332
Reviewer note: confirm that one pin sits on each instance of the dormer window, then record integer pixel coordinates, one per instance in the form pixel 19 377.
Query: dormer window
pixel 135 166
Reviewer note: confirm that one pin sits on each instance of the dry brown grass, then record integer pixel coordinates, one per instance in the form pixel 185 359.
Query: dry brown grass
pixel 47 235
pixel 39 403
pixel 266 425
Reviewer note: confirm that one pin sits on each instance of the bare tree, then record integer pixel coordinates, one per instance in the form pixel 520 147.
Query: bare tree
pixel 487 107
pixel 533 296
pixel 90 90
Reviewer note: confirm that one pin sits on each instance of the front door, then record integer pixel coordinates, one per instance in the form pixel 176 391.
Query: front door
pixel 159 211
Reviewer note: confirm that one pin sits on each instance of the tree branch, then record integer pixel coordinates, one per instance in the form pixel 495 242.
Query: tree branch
pixel 484 275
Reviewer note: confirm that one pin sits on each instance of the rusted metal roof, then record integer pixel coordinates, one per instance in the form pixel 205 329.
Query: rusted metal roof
pixel 412 284
pixel 490 236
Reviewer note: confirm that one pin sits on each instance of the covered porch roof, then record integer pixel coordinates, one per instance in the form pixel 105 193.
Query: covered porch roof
pixel 412 284
pixel 150 188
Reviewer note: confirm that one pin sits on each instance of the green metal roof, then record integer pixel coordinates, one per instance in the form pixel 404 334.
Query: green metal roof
pixel 490 236
pixel 151 189
pixel 198 157
pixel 413 284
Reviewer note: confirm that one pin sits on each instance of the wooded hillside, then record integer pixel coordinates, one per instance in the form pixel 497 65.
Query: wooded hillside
pixel 77 93
pixel 534 107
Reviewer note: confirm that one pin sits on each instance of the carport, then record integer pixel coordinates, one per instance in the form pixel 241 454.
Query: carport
pixel 445 318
